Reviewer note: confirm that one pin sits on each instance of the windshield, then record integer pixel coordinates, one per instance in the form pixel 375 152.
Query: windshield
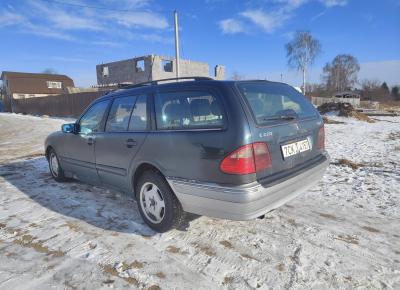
pixel 275 101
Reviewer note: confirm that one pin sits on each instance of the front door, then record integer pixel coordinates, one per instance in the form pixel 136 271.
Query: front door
pixel 125 132
pixel 78 154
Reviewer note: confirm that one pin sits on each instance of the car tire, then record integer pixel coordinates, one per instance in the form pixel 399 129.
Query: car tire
pixel 55 167
pixel 157 203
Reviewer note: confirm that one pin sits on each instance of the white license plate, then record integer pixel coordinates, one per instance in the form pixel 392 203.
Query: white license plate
pixel 295 148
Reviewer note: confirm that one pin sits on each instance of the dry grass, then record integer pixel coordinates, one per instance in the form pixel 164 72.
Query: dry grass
pixel 72 226
pixel 362 117
pixel 328 216
pixel 133 265
pixel 348 239
pixel 110 270
pixel 113 272
pixel 160 275
pixel 226 244
pixel 108 281
pixel 370 229
pixel 27 241
pixel 390 106
pixel 329 121
pixel 292 222
pixel 344 110
pixel 348 163
pixel 228 280
pixel 173 249
pixel 205 249
pixel 280 267
pixel 249 257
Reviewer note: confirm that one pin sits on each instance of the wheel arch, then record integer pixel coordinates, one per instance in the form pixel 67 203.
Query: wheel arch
pixel 47 152
pixel 140 169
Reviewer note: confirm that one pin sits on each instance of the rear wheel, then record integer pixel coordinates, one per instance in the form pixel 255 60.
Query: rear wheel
pixel 158 205
pixel 55 168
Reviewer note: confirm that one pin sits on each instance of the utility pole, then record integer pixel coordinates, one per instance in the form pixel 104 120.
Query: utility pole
pixel 176 43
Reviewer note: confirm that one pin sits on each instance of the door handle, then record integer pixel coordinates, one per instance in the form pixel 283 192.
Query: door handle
pixel 130 143
pixel 90 141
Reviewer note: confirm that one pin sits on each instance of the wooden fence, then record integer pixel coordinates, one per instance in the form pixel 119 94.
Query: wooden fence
pixel 66 105
pixel 318 101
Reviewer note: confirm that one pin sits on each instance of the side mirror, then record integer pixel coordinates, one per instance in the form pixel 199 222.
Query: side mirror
pixel 68 128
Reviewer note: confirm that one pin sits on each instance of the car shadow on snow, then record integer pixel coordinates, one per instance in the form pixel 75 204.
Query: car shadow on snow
pixel 97 206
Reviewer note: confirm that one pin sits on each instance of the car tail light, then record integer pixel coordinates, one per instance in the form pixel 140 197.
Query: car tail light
pixel 247 159
pixel 262 158
pixel 321 138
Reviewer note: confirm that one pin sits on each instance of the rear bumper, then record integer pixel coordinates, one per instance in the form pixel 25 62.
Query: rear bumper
pixel 246 201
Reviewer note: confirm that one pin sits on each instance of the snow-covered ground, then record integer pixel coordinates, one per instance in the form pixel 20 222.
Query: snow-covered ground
pixel 344 233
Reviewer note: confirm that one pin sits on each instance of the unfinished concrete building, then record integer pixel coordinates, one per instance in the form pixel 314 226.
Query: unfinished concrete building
pixel 149 68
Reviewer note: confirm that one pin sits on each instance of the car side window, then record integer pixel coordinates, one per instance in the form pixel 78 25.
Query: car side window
pixel 91 121
pixel 188 110
pixel 120 113
pixel 138 120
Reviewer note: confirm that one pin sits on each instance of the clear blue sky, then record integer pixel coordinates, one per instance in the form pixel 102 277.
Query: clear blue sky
pixel 245 36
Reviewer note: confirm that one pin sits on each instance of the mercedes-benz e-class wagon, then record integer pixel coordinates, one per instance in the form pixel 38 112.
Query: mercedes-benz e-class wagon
pixel 225 149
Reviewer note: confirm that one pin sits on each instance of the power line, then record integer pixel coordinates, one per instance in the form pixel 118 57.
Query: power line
pixel 88 6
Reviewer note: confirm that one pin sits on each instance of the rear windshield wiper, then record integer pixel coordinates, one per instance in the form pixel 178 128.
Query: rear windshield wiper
pixel 280 117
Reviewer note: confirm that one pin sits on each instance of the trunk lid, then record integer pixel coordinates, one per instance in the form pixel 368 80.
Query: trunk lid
pixel 285 120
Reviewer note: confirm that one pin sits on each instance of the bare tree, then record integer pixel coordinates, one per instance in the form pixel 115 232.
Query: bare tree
pixel 236 76
pixel 374 91
pixel 2 91
pixel 385 88
pixel 49 71
pixel 341 73
pixel 370 84
pixel 396 93
pixel 317 90
pixel 301 52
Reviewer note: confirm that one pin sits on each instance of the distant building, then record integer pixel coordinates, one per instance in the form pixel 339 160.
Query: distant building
pixel 149 68
pixel 19 85
pixel 351 97
pixel 30 85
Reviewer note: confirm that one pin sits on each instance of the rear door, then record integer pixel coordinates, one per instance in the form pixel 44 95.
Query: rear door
pixel 285 120
pixel 125 131
pixel 190 134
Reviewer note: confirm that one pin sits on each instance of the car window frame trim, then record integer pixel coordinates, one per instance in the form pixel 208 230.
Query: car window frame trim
pixel 128 94
pixel 102 122
pixel 108 115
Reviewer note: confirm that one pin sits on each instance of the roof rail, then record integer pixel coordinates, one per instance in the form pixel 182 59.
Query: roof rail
pixel 156 82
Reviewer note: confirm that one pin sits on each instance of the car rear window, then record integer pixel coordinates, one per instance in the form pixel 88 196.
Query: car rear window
pixel 271 102
pixel 187 110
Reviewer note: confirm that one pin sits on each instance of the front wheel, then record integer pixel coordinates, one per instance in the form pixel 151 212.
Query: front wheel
pixel 158 205
pixel 55 168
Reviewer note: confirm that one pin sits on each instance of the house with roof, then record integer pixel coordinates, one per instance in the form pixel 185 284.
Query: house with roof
pixel 20 85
